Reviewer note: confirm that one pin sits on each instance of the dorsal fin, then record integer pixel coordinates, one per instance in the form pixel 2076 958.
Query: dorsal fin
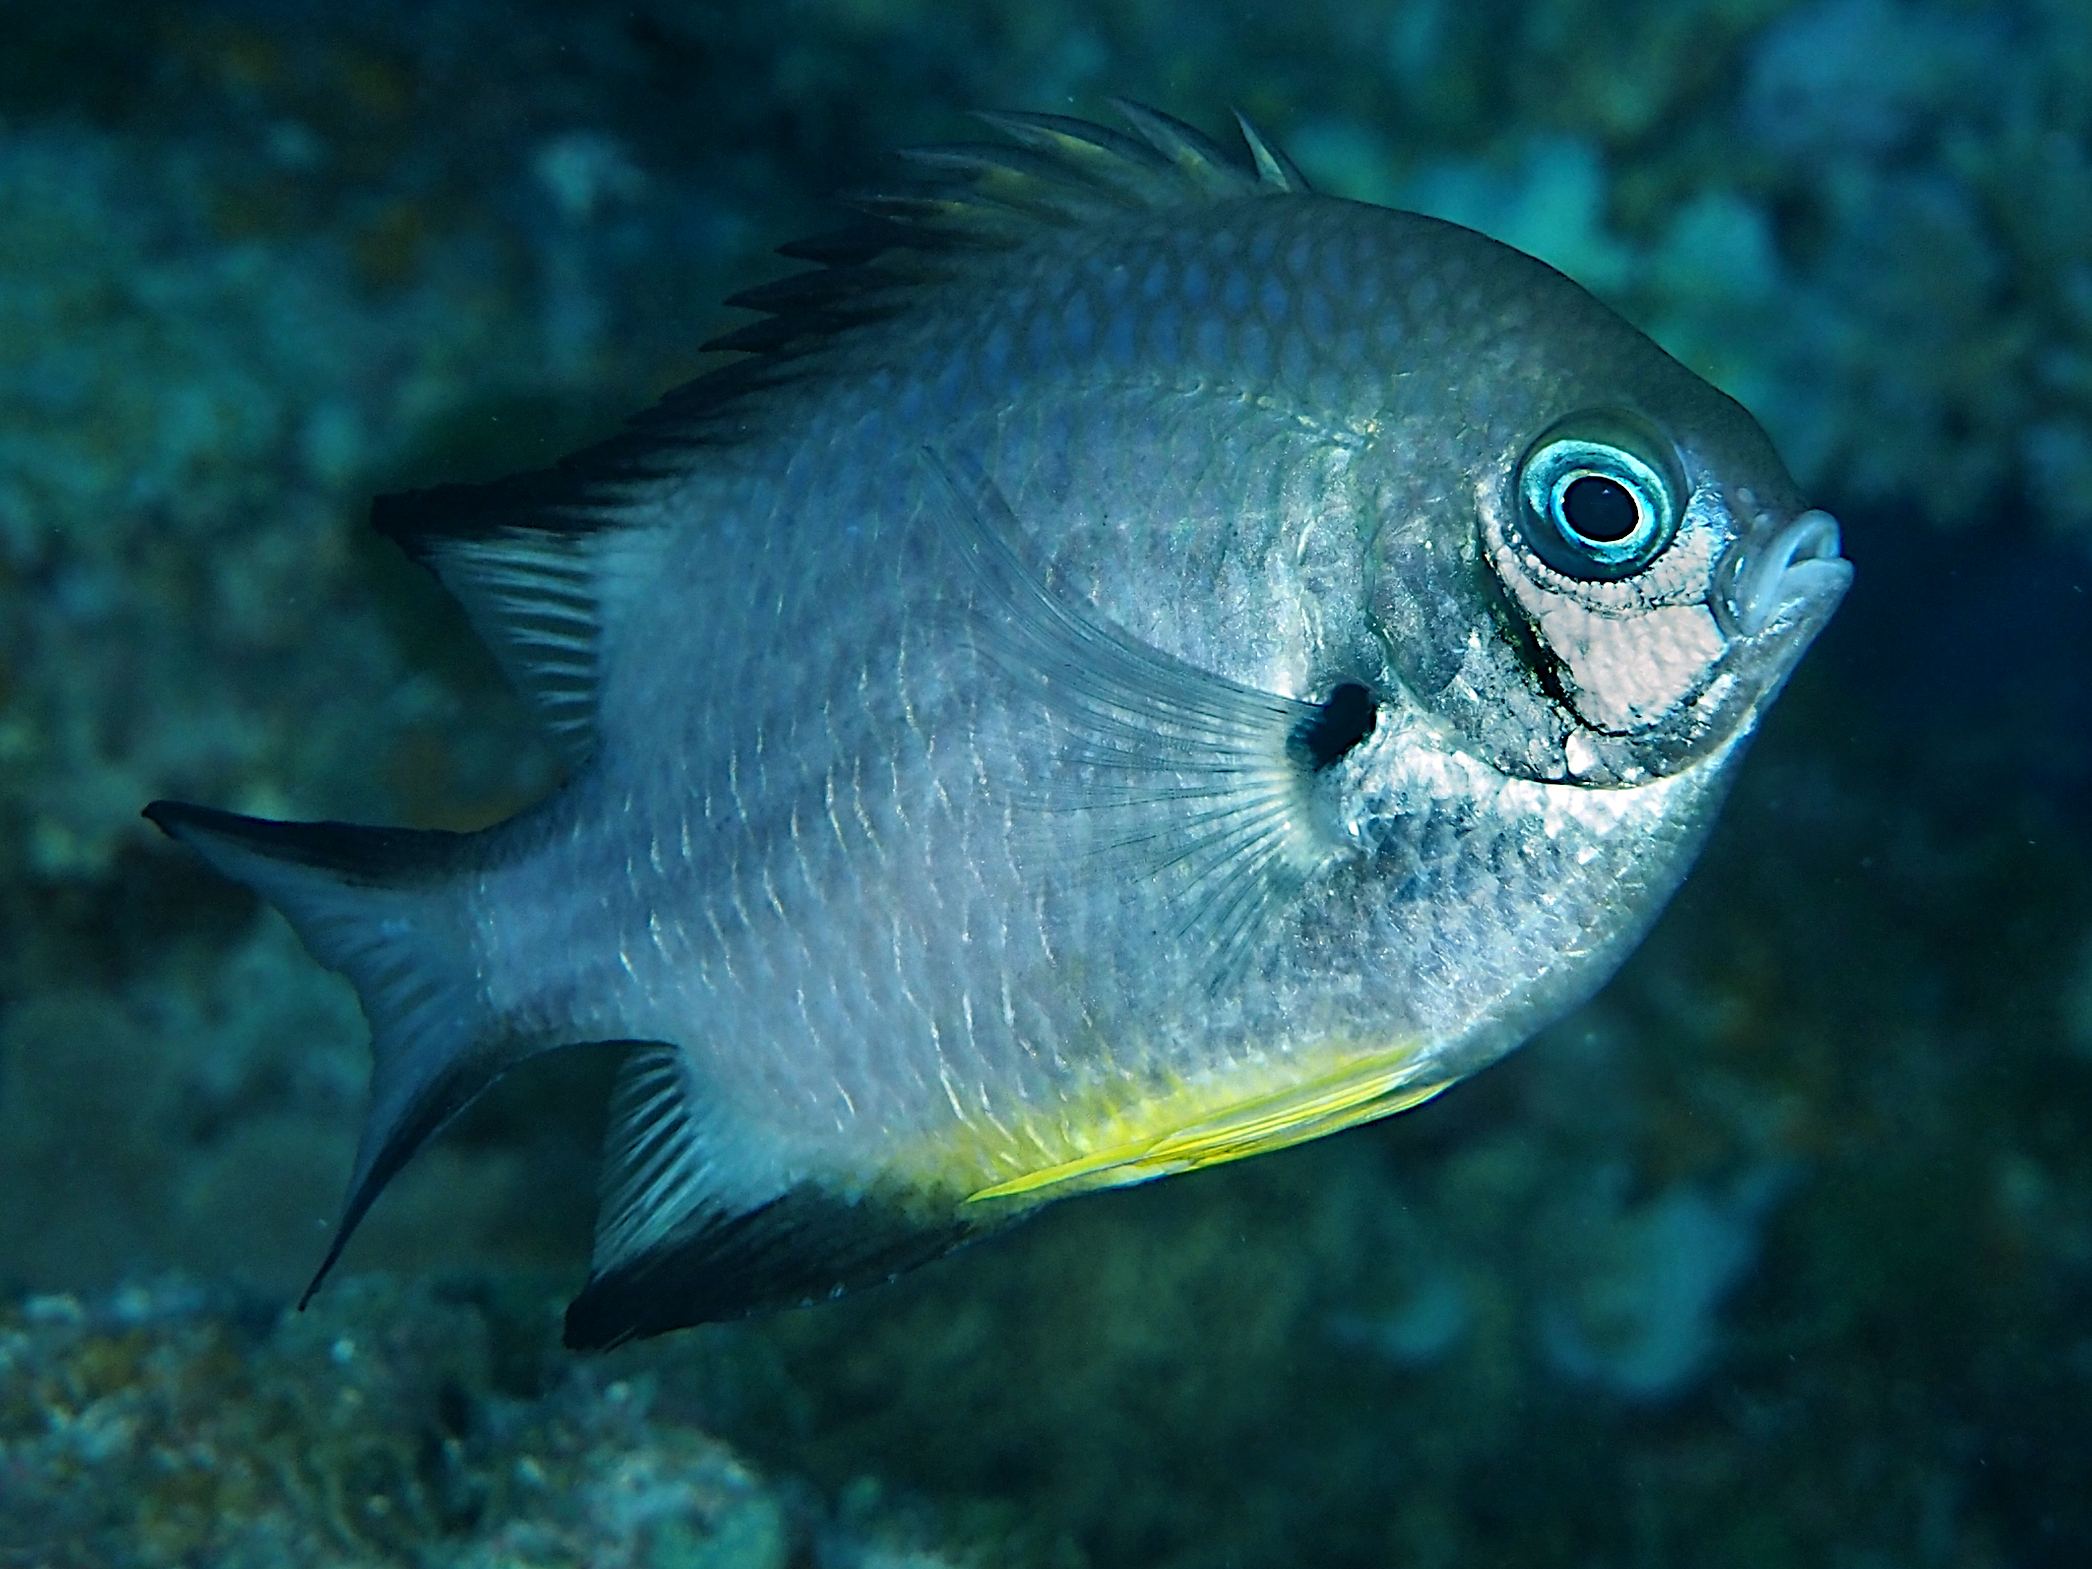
pixel 1195 156
pixel 1054 173
pixel 1060 171
pixel 524 554
pixel 532 592
pixel 1275 171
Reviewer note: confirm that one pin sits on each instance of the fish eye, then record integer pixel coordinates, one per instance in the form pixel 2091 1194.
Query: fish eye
pixel 1598 505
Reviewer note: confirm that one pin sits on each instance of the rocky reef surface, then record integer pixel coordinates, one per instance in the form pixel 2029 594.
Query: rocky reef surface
pixel 1780 1252
pixel 168 1424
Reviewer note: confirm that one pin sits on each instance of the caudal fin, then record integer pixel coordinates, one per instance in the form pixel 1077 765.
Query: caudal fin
pixel 373 904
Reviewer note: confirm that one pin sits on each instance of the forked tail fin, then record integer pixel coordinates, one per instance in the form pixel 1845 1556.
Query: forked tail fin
pixel 376 904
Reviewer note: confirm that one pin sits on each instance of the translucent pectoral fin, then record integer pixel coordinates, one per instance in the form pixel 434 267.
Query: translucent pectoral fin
pixel 1190 778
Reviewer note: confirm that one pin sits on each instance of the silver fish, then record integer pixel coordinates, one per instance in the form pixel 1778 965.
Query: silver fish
pixel 1139 665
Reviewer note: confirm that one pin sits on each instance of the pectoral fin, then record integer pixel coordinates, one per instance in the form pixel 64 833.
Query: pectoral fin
pixel 1196 780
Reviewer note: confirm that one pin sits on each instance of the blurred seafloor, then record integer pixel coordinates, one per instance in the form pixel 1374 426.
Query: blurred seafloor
pixel 1778 1253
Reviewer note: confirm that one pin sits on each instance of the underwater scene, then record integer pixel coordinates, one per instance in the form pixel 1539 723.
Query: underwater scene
pixel 1775 1248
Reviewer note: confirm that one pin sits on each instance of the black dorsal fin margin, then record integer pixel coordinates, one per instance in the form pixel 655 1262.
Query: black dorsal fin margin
pixel 968 196
pixel 1056 172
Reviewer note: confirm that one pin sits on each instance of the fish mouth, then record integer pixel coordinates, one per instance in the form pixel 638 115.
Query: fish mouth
pixel 1798 568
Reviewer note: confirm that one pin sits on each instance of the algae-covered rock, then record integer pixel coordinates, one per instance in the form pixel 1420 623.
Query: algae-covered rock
pixel 168 1425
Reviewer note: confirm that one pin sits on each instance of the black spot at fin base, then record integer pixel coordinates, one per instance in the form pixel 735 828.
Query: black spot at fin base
pixel 1343 720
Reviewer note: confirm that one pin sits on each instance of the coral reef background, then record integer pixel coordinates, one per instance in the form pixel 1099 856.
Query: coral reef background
pixel 1779 1252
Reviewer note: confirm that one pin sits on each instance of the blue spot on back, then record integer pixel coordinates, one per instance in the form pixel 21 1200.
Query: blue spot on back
pixel 1336 268
pixel 1365 286
pixel 1166 334
pixel 1293 359
pixel 951 384
pixel 1255 349
pixel 1118 337
pixel 1080 325
pixel 995 355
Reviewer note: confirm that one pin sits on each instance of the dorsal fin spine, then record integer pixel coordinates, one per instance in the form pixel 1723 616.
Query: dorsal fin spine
pixel 1193 154
pixel 534 597
pixel 518 552
pixel 1089 151
pixel 1275 171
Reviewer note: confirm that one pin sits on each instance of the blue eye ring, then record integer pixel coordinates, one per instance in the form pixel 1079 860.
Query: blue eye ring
pixel 1598 506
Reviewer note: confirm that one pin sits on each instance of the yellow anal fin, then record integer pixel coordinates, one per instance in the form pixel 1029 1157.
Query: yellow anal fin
pixel 1269 1122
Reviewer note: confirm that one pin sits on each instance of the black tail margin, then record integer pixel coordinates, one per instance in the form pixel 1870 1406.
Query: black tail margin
pixel 384 907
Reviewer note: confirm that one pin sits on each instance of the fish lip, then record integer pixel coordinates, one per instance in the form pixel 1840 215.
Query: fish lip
pixel 1799 566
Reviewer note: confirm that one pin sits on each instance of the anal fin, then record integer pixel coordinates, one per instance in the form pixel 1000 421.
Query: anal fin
pixel 804 1246
pixel 675 1247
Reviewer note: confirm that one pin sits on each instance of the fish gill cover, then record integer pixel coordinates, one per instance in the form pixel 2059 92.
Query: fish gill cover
pixel 1691 1273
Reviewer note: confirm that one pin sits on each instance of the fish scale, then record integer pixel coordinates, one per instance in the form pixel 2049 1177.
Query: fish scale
pixel 1091 695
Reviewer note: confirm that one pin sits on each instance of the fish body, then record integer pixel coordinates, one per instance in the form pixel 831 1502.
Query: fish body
pixel 1140 665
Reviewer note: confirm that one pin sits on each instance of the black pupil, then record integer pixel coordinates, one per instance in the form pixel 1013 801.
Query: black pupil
pixel 1345 718
pixel 1599 509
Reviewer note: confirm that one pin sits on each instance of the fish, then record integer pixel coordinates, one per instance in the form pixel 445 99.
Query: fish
pixel 1133 665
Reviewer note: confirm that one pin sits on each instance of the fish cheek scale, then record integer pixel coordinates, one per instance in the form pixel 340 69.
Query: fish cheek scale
pixel 1207 689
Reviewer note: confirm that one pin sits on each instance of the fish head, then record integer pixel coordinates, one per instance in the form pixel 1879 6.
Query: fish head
pixel 1620 578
